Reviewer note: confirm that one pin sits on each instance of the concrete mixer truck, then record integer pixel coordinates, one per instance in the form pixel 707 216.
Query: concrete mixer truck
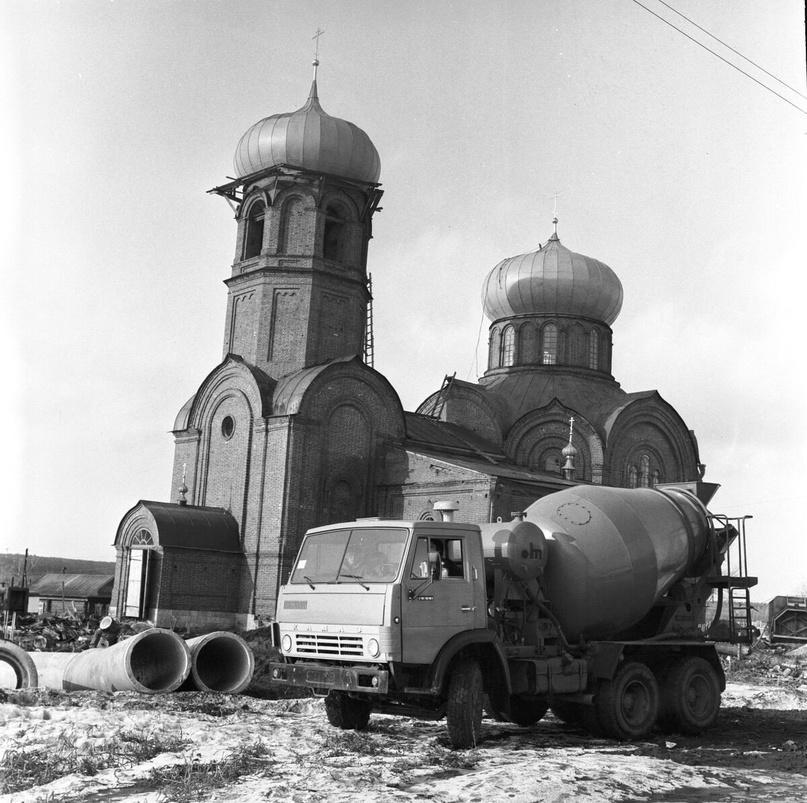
pixel 592 603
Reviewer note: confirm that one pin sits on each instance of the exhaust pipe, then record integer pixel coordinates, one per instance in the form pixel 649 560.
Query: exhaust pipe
pixel 153 661
pixel 220 662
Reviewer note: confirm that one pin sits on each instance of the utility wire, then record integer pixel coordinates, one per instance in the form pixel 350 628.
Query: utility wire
pixel 692 22
pixel 747 75
pixel 475 362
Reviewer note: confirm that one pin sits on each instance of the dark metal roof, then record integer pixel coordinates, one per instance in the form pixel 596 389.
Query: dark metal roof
pixel 509 471
pixel 191 527
pixel 422 429
pixel 78 586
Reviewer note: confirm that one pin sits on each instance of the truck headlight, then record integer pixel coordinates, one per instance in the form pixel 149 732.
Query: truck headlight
pixel 373 648
pixel 286 643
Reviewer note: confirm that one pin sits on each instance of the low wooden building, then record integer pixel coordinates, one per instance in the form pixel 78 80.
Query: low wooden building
pixel 79 594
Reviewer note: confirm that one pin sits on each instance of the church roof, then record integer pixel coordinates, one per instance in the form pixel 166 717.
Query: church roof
pixel 552 281
pixel 525 391
pixel 425 430
pixel 499 470
pixel 311 139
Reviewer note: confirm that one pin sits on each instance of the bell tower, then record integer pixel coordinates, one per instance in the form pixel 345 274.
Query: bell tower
pixel 304 199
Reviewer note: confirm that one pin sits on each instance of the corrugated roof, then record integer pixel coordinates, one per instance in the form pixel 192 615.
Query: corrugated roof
pixel 80 586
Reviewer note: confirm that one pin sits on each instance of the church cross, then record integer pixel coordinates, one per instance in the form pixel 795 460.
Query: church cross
pixel 317 36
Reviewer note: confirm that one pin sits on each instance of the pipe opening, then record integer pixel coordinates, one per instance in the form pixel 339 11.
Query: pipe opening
pixel 222 664
pixel 159 662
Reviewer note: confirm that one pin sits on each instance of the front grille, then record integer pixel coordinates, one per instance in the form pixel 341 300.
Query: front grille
pixel 329 644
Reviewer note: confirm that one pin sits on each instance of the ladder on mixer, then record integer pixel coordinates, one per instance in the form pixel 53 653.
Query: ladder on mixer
pixel 729 552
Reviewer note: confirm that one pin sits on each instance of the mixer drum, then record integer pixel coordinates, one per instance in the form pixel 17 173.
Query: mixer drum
pixel 614 552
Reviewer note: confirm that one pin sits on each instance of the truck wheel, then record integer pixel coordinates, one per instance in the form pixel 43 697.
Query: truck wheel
pixel 21 664
pixel 690 696
pixel 627 705
pixel 570 713
pixel 526 710
pixel 347 712
pixel 464 708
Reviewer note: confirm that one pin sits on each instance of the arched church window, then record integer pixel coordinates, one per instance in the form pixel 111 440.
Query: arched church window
pixel 509 346
pixel 552 464
pixel 550 344
pixel 644 474
pixel 142 538
pixel 594 349
pixel 253 241
pixel 335 236
pixel 495 348
pixel 633 477
pixel 656 478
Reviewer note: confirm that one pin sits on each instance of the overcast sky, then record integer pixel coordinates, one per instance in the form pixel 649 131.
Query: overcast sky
pixel 682 174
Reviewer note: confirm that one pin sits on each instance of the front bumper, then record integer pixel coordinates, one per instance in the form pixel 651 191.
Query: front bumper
pixel 365 679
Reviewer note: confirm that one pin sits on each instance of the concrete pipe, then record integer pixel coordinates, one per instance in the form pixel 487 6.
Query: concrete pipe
pixel 21 665
pixel 150 662
pixel 220 662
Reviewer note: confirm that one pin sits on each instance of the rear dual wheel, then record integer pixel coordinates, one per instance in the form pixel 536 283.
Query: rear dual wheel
pixel 690 696
pixel 627 706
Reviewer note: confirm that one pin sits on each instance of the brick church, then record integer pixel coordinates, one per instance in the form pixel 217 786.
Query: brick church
pixel 294 428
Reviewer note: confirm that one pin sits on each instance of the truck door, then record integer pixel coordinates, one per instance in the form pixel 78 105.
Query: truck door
pixel 443 591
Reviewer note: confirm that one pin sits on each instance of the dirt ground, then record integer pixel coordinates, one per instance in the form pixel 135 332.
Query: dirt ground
pixel 757 751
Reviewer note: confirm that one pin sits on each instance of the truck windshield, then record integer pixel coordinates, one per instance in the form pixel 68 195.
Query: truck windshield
pixel 371 555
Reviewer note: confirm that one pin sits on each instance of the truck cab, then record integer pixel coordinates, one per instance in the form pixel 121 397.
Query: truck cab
pixel 380 593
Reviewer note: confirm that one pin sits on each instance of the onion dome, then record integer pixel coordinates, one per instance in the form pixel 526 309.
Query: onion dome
pixel 552 281
pixel 310 139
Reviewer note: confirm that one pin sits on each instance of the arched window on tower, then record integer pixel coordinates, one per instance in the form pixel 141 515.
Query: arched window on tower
pixel 335 235
pixel 509 346
pixel 594 349
pixel 644 474
pixel 549 345
pixel 253 239
pixel 633 477
pixel 495 356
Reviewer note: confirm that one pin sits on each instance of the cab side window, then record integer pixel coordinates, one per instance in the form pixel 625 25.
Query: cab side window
pixel 452 557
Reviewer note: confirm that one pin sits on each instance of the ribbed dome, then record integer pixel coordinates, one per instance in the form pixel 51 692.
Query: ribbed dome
pixel 552 281
pixel 311 139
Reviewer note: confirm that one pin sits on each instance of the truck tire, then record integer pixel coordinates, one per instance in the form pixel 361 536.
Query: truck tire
pixel 464 706
pixel 627 706
pixel 21 663
pixel 570 713
pixel 526 710
pixel 346 712
pixel 690 696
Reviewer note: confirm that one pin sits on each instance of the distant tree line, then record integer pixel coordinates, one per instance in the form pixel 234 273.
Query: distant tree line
pixel 11 567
